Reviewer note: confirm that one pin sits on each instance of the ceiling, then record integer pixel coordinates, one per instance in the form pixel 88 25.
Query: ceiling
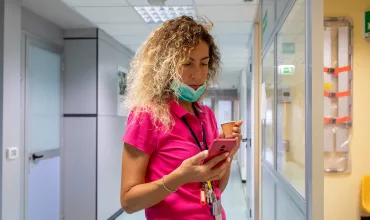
pixel 232 21
pixel 58 13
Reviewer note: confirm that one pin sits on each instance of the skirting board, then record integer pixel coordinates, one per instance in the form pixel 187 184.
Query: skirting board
pixel 115 215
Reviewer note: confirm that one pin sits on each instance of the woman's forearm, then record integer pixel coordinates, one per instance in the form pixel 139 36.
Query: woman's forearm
pixel 146 195
pixel 224 180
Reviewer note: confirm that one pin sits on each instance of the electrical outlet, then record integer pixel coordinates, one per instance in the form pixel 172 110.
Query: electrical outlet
pixel 12 153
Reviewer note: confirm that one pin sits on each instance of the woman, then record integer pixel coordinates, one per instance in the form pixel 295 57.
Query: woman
pixel 168 132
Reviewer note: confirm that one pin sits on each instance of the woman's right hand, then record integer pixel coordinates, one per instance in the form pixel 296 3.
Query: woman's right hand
pixel 191 170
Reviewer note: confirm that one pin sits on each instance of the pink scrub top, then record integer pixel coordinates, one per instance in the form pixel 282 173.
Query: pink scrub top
pixel 167 150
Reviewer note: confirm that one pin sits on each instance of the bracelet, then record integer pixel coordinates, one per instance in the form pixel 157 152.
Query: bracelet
pixel 164 185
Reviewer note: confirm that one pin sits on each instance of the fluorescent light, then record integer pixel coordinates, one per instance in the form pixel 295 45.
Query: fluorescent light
pixel 160 14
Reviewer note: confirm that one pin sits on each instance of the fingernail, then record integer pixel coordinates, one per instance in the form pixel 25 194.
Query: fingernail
pixel 227 154
pixel 205 153
pixel 228 159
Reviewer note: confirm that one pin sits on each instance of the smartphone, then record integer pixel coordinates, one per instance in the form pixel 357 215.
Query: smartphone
pixel 220 146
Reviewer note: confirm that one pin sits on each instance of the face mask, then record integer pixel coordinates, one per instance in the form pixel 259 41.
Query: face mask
pixel 186 93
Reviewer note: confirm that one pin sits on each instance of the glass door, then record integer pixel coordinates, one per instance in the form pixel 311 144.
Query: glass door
pixel 292 124
pixel 42 111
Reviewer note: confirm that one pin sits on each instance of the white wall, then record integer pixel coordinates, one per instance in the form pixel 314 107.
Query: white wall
pixel 110 126
pixel 38 26
pixel 342 192
pixel 11 185
pixel 79 87
pixel 93 131
pixel 15 20
pixel 79 165
pixel 78 151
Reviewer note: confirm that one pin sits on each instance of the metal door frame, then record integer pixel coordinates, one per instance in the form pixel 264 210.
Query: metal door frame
pixel 256 99
pixel 2 14
pixel 249 136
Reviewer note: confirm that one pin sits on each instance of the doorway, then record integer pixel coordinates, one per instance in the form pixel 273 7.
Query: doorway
pixel 41 128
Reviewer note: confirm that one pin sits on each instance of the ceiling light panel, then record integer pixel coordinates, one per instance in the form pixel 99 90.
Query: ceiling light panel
pixel 157 14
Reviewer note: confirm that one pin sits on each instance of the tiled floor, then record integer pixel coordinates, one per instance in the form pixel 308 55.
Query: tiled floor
pixel 233 199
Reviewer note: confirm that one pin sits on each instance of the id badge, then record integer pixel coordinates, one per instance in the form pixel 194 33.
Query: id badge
pixel 217 210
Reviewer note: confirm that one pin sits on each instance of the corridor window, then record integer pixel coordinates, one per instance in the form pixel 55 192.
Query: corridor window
pixel 268 124
pixel 290 109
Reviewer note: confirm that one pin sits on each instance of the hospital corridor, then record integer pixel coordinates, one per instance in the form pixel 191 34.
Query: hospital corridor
pixel 184 109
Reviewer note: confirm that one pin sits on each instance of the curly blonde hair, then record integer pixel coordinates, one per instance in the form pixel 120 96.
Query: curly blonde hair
pixel 156 65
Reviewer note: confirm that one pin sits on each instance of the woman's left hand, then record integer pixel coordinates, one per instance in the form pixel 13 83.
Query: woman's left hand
pixel 237 135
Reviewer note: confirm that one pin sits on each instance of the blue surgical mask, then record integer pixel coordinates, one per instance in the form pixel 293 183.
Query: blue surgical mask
pixel 186 93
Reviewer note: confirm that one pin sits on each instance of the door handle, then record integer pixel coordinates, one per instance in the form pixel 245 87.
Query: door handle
pixel 35 157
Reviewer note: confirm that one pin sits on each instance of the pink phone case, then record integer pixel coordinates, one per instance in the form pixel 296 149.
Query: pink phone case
pixel 220 146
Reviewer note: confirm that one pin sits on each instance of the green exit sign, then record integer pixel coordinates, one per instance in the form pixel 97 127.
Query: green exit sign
pixel 286 69
pixel 367 25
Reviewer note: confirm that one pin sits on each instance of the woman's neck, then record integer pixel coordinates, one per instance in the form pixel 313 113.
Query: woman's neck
pixel 188 106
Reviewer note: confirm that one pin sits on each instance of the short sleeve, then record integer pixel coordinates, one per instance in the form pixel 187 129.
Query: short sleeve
pixel 140 133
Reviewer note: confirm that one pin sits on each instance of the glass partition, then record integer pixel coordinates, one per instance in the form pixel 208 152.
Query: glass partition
pixel 291 110
pixel 268 20
pixel 290 107
pixel 280 6
pixel 268 78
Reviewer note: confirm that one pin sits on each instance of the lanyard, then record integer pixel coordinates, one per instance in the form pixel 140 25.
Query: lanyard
pixel 195 137
pixel 207 187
